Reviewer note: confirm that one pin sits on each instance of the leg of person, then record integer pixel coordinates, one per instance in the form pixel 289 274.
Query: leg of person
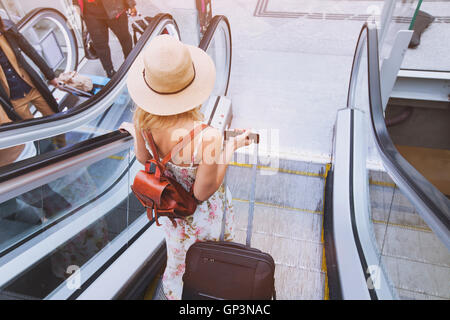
pixel 98 30
pixel 120 28
pixel 40 103
pixel 22 107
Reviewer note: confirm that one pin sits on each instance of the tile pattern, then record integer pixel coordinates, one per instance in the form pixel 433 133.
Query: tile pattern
pixel 334 11
pixel 292 236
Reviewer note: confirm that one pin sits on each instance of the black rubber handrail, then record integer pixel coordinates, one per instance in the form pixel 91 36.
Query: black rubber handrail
pixel 16 169
pixel 434 207
pixel 209 35
pixel 105 91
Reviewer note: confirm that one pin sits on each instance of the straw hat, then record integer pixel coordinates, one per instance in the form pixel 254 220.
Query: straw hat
pixel 169 77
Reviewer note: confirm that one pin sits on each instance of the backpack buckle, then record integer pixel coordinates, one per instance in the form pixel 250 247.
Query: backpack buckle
pixel 152 168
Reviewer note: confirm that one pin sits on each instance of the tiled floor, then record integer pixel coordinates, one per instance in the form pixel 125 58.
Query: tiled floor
pixel 287 225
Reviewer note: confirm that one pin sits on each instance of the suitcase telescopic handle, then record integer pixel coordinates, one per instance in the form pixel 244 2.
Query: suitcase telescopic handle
pixel 251 208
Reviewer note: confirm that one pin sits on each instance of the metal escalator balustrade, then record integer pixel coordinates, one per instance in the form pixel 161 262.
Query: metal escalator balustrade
pixel 412 229
pixel 388 229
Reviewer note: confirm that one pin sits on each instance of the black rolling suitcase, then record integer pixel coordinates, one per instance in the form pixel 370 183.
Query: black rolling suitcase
pixel 222 270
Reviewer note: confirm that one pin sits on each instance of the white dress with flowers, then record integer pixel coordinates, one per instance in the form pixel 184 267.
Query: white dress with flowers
pixel 205 224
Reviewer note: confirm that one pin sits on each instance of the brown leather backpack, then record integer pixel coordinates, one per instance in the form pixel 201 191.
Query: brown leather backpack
pixel 161 194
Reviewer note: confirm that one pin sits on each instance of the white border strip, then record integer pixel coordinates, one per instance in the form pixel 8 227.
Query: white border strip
pixel 351 275
pixel 112 281
pixel 65 290
pixel 24 183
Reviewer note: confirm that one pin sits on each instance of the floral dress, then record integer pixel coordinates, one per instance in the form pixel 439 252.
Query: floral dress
pixel 205 224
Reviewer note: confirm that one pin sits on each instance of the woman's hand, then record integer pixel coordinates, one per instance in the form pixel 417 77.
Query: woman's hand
pixel 128 127
pixel 242 139
pixel 133 12
pixel 54 83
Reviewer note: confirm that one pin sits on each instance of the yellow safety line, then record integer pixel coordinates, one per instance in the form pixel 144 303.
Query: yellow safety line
pixel 402 226
pixel 324 263
pixel 279 206
pixel 307 173
pixel 383 184
pixel 116 157
pixel 301 173
pixel 296 172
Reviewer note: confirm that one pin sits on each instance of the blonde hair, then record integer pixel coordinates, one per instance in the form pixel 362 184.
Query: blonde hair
pixel 145 120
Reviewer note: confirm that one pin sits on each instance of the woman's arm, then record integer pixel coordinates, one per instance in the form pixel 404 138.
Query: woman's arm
pixel 140 150
pixel 215 160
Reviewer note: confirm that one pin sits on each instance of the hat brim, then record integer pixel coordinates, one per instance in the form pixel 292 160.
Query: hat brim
pixel 169 104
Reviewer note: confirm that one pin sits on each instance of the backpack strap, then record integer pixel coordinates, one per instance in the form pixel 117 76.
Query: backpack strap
pixel 184 142
pixel 150 165
pixel 148 137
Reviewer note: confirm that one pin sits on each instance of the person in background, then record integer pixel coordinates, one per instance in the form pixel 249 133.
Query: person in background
pixel 102 15
pixel 204 12
pixel 20 84
pixel 15 153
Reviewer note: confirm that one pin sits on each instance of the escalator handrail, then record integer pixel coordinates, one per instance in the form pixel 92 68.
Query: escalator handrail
pixel 41 161
pixel 33 13
pixel 30 15
pixel 15 178
pixel 104 92
pixel 209 35
pixel 430 203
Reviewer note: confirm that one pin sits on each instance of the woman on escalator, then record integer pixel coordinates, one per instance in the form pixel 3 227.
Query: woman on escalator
pixel 168 82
